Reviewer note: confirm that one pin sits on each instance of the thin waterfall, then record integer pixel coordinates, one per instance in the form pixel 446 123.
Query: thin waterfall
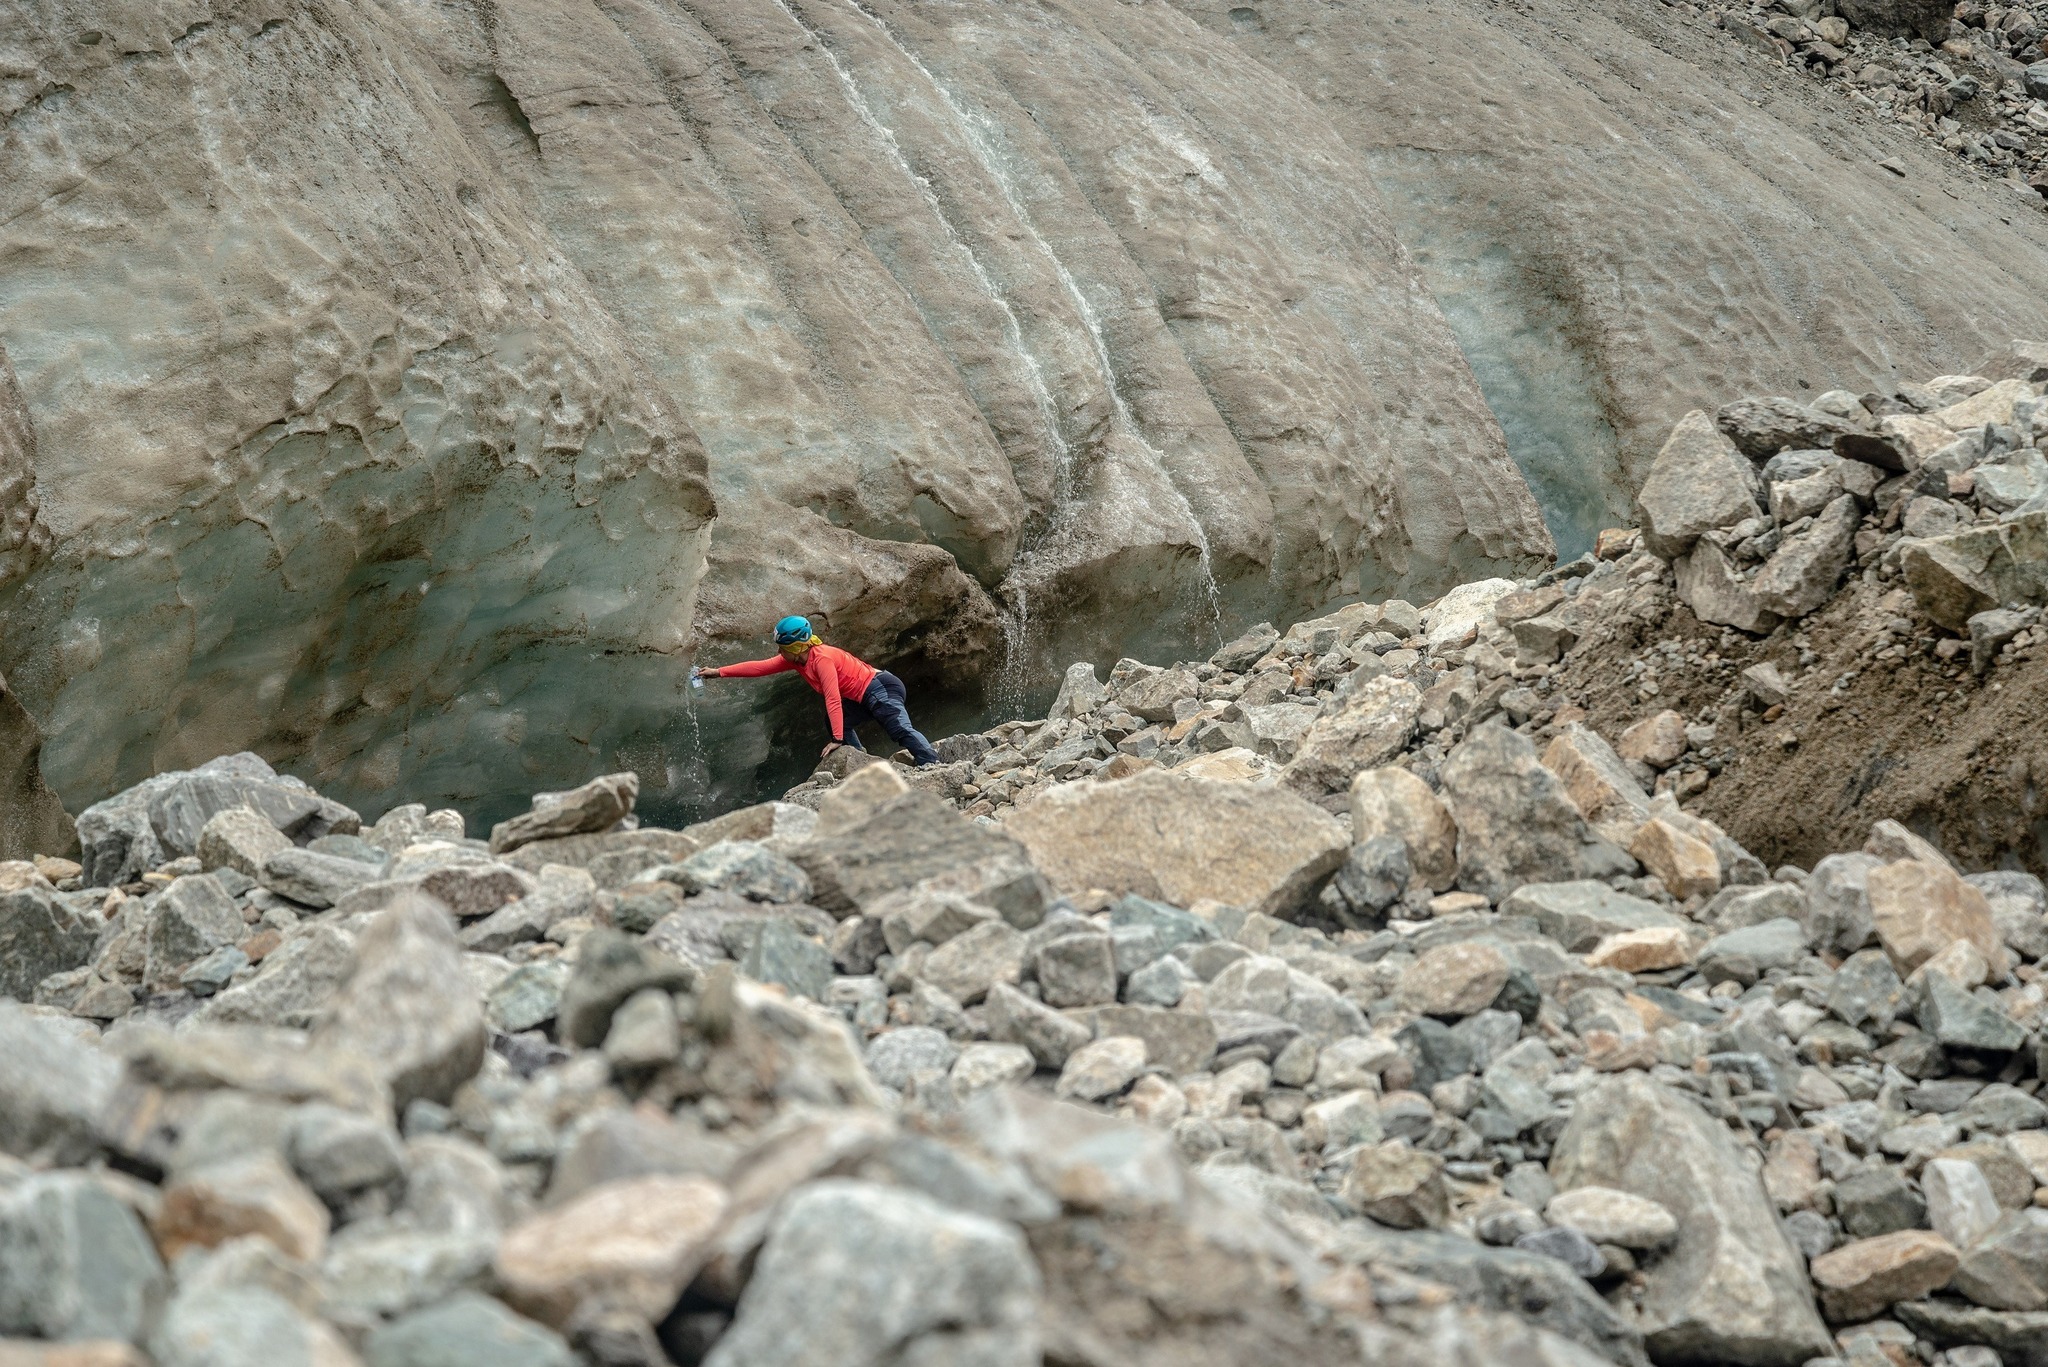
pixel 974 127
pixel 1016 620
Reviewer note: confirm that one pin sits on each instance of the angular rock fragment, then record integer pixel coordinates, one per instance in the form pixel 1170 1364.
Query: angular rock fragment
pixel 632 1245
pixel 596 806
pixel 1862 1279
pixel 1698 482
pixel 1394 802
pixel 398 1009
pixel 1516 824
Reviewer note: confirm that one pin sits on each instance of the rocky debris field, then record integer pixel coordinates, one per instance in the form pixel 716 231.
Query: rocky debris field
pixel 1972 76
pixel 1380 990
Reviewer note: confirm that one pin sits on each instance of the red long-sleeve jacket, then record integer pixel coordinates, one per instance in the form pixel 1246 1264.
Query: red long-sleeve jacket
pixel 828 669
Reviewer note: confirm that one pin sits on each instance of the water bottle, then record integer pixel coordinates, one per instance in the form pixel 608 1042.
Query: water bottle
pixel 696 679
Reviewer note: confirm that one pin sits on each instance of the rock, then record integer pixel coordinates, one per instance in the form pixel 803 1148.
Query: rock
pixel 2017 1336
pixel 1454 980
pixel 897 1056
pixel 1919 909
pixel 1516 824
pixel 244 1326
pixel 53 1089
pixel 293 984
pixel 1747 954
pixel 1956 576
pixel 1658 741
pixel 1014 1018
pixel 251 1194
pixel 1838 915
pixel 1182 840
pixel 1080 690
pixel 1397 1186
pixel 1369 726
pixel 1766 685
pixel 1076 970
pixel 193 917
pixel 918 840
pixel 1699 482
pixel 1862 1279
pixel 596 806
pixel 2007 1269
pixel 1101 1069
pixel 338 1153
pixel 313 880
pixel 1802 573
pixel 1687 866
pixel 981 1066
pixel 1598 783
pixel 1760 428
pixel 632 1245
pixel 1712 585
pixel 969 964
pixel 784 955
pixel 1394 802
pixel 239 838
pixel 855 1273
pixel 1958 1020
pixel 39 935
pixel 1608 1216
pixel 1731 1288
pixel 465 1330
pixel 644 1033
pixel 745 869
pixel 1568 1246
pixel 75 1263
pixel 396 1007
pixel 1180 1042
pixel 1240 654
pixel 1642 951
pixel 1457 615
pixel 610 968
pixel 1581 913
pixel 1535 1289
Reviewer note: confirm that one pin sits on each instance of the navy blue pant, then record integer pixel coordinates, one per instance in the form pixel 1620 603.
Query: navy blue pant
pixel 882 704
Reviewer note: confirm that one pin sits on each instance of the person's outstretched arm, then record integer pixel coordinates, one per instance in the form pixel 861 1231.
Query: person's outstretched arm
pixel 748 669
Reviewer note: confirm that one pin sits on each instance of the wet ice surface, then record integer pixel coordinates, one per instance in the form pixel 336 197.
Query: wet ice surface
pixel 1516 335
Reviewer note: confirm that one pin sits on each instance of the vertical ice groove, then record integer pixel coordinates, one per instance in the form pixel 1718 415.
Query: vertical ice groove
pixel 974 128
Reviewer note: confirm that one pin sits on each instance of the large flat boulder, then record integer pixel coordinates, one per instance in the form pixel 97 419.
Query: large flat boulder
pixel 1181 840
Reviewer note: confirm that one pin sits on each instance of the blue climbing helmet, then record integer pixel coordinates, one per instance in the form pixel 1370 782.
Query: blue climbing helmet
pixel 792 631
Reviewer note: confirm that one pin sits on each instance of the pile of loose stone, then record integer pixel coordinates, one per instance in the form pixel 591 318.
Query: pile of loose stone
pixel 1342 997
pixel 1973 76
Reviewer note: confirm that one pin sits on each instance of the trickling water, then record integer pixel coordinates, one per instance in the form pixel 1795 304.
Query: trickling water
pixel 1012 679
pixel 975 128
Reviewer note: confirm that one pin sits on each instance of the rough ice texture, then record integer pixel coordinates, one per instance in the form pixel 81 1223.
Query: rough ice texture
pixel 382 366
pixel 407 392
pixel 1627 216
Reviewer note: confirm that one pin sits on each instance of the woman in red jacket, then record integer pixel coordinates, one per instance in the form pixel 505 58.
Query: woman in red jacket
pixel 854 690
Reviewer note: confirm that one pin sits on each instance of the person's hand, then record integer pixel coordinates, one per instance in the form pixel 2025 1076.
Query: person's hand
pixel 710 673
pixel 830 746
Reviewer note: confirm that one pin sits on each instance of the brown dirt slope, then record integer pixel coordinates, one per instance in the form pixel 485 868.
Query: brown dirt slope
pixel 1877 725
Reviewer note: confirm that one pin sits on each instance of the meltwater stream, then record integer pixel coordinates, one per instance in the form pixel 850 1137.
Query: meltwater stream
pixel 1036 562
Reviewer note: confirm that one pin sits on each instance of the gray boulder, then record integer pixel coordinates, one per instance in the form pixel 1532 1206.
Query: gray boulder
pixel 1697 483
pixel 192 917
pixel 598 805
pixel 39 935
pixel 1802 573
pixel 1516 823
pixel 918 840
pixel 312 879
pixel 466 1330
pixel 75 1263
pixel 858 1275
pixel 408 1007
pixel 1731 1289
pixel 1760 428
pixel 52 1089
